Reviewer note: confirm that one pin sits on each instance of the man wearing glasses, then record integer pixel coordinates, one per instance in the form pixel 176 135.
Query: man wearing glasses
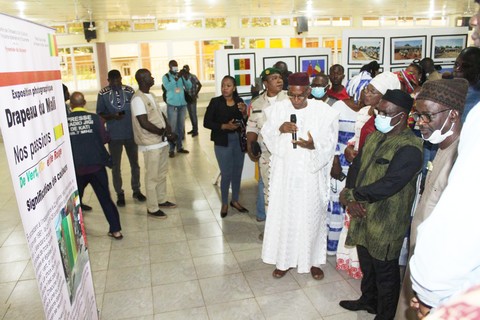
pixel 438 113
pixel 379 193
pixel 301 135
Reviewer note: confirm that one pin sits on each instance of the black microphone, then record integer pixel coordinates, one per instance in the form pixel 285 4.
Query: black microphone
pixel 293 118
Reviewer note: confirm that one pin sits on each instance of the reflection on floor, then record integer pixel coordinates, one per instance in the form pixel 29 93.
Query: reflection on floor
pixel 192 265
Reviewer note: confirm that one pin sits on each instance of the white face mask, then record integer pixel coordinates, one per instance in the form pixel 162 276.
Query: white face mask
pixel 174 69
pixel 437 137
pixel 383 123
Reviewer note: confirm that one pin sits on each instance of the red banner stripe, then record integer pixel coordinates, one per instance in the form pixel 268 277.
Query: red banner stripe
pixel 16 78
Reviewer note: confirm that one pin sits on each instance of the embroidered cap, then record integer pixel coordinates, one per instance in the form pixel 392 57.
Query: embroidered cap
pixel 299 79
pixel 449 92
pixel 399 98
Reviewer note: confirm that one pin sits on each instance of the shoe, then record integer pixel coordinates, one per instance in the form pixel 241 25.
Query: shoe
pixel 277 273
pixel 158 214
pixel 260 236
pixel 171 154
pixel 356 305
pixel 167 205
pixel 190 132
pixel 85 207
pixel 194 134
pixel 116 235
pixel 239 207
pixel 139 196
pixel 183 151
pixel 317 273
pixel 223 214
pixel 260 219
pixel 121 200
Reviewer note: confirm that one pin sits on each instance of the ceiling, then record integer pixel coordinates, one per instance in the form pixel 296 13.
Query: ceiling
pixel 49 11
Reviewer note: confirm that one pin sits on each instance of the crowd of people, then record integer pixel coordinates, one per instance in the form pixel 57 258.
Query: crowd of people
pixel 377 172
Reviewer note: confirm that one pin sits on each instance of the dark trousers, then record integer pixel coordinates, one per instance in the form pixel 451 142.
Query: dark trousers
pixel 192 114
pixel 116 149
pixel 380 283
pixel 99 182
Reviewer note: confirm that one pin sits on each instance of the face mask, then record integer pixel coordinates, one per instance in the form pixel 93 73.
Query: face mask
pixel 383 123
pixel 318 92
pixel 437 136
pixel 175 69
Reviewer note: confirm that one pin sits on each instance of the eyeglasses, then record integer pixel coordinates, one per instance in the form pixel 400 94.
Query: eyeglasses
pixel 426 117
pixel 296 96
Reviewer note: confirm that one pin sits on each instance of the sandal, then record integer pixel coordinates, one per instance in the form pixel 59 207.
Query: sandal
pixel 277 273
pixel 317 273
pixel 116 235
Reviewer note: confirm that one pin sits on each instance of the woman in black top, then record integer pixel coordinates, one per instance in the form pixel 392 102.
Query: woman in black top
pixel 225 117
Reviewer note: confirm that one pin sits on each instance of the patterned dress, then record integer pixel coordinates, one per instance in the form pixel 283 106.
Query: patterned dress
pixel 337 219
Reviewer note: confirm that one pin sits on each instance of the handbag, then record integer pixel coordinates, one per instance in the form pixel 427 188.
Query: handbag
pixel 242 134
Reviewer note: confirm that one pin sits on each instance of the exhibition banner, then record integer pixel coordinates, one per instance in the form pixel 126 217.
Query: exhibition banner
pixel 35 133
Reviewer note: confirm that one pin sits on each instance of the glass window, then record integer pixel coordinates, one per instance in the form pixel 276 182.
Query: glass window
pixel 322 21
pixel 341 21
pixel 276 43
pixel 245 22
pixel 296 42
pixel 144 25
pixel 370 22
pixel 256 43
pixel 60 29
pixel 119 26
pixel 124 57
pixel 282 21
pixel 198 23
pixel 211 23
pixel 312 43
pixel 439 21
pixel 208 49
pixel 163 24
pixel 75 27
pixel 406 22
pixel 422 21
pixel 388 21
pixel 261 22
pixel 78 68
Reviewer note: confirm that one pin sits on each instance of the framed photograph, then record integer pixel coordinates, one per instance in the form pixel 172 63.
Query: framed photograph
pixel 268 62
pixel 404 50
pixel 313 65
pixel 364 50
pixel 447 48
pixel 241 66
pixel 352 72
pixel 398 68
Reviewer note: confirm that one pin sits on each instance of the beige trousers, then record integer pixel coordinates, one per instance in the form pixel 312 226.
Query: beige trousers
pixel 156 168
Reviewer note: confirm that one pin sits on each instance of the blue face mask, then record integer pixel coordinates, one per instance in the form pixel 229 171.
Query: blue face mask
pixel 318 92
pixel 383 123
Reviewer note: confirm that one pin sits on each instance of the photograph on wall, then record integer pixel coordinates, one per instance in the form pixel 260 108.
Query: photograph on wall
pixel 406 49
pixel 364 50
pixel 398 68
pixel 446 48
pixel 313 65
pixel 352 72
pixel 290 61
pixel 241 66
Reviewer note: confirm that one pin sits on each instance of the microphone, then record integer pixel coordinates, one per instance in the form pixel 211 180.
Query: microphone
pixel 293 118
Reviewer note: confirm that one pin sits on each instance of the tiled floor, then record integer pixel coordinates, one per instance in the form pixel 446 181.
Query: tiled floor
pixel 192 265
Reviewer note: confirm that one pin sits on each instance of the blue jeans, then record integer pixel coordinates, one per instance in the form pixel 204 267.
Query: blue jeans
pixel 192 113
pixel 261 200
pixel 230 160
pixel 176 118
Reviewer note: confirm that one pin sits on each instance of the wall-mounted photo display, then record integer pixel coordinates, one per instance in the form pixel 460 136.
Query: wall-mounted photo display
pixel 242 68
pixel 446 48
pixel 404 50
pixel 290 61
pixel 363 50
pixel 313 65
pixel 398 68
pixel 352 72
